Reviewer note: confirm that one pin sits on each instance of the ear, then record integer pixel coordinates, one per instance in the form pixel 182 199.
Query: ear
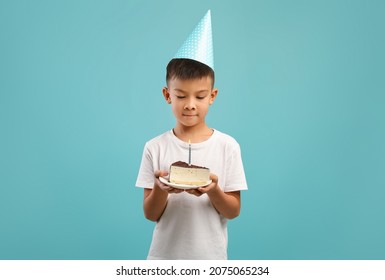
pixel 166 95
pixel 213 95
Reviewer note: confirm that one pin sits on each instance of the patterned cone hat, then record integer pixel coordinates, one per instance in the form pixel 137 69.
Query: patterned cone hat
pixel 199 45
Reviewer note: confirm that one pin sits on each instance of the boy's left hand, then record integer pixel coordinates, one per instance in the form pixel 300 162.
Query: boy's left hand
pixel 207 189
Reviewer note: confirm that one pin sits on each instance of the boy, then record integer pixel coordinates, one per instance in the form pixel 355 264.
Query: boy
pixel 191 224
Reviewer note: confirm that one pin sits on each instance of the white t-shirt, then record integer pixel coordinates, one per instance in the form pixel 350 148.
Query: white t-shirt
pixel 190 227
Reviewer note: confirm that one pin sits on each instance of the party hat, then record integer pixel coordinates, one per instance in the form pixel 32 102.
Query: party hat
pixel 199 45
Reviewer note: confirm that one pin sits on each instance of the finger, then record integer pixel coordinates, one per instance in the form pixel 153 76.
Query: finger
pixel 205 189
pixel 160 184
pixel 194 192
pixel 173 190
pixel 214 178
pixel 160 173
pixel 202 190
pixel 164 187
pixel 198 193
pixel 210 187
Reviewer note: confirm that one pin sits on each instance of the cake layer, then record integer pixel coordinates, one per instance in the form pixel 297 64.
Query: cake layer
pixel 182 173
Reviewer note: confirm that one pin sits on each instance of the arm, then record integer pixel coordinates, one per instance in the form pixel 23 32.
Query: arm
pixel 155 199
pixel 226 203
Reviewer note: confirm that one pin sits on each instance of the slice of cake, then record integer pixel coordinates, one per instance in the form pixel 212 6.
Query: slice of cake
pixel 183 173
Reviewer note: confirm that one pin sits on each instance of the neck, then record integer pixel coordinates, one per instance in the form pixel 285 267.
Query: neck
pixel 195 134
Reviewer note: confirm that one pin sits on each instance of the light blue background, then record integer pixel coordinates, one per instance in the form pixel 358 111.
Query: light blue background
pixel 301 87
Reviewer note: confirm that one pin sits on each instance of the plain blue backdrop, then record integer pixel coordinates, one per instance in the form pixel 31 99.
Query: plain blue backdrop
pixel 301 87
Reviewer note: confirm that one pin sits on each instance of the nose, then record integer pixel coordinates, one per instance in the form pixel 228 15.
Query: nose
pixel 190 104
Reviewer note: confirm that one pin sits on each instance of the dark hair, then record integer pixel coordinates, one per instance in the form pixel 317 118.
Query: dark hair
pixel 186 69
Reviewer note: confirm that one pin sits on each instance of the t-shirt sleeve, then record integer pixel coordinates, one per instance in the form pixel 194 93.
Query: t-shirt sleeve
pixel 145 177
pixel 235 179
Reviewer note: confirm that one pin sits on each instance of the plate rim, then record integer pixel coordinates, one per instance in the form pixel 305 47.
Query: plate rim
pixel 182 186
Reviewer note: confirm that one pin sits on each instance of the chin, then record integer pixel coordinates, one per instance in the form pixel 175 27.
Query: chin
pixel 188 124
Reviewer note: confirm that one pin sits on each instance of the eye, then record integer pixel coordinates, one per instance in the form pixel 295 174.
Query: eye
pixel 180 96
pixel 201 97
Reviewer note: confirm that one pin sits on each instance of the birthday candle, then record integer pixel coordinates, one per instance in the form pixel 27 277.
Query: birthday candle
pixel 189 152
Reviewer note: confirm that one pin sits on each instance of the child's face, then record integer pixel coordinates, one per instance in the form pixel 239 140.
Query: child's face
pixel 190 99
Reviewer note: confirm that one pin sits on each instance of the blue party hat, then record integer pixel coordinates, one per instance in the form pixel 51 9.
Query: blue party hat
pixel 199 45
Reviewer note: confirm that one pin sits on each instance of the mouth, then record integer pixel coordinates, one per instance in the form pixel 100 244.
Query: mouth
pixel 189 115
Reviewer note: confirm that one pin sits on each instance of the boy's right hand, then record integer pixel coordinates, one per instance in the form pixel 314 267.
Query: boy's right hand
pixel 164 187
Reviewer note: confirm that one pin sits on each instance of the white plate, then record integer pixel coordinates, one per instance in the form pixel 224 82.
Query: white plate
pixel 182 186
